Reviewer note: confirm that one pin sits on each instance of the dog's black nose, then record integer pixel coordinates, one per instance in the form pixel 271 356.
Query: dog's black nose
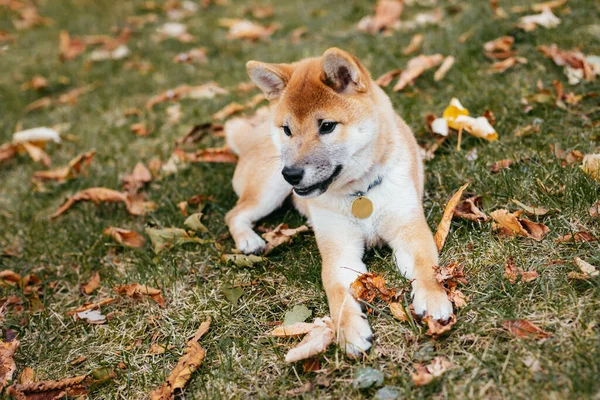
pixel 292 174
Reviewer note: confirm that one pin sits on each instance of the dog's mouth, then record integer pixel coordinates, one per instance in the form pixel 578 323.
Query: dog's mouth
pixel 320 187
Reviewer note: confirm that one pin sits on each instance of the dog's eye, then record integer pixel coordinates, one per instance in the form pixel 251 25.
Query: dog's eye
pixel 286 130
pixel 327 127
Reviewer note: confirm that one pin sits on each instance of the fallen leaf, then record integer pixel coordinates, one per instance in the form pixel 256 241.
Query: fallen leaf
pixel 228 111
pixel 75 167
pixel 167 238
pixel 133 182
pixel 36 83
pixel 316 341
pixel 101 195
pixel 299 313
pixel 243 260
pixel 527 130
pixel 387 78
pixel 118 53
pixel 197 133
pixel 78 360
pixel 591 166
pixel 296 329
pixel 36 136
pixel 387 15
pixel 444 68
pixel 576 63
pixel 425 374
pixel 206 91
pixel 499 48
pixel 546 18
pixel 92 317
pixel 366 377
pixel 90 306
pixel 187 364
pixel 512 224
pixel 194 222
pixel 28 375
pixel 247 30
pixel 512 272
pixel 92 284
pixel 69 387
pixel 36 154
pixel 366 287
pixel 233 294
pixel 500 165
pixel 415 44
pixel 210 155
pixel 588 271
pixel 595 209
pixel 156 348
pixel 415 68
pixel 140 129
pixel 539 211
pixel 7 363
pixel 136 291
pixel 398 311
pixel 436 328
pixel 7 151
pixel 297 33
pixel 261 11
pixel 444 226
pixel 197 56
pixel 125 237
pixel 521 328
pixel 280 235
pixel 175 30
pixel 69 48
pixel 502 66
pixel 469 209
pixel 578 237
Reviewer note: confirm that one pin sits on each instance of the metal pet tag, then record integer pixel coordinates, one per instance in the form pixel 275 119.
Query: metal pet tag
pixel 362 207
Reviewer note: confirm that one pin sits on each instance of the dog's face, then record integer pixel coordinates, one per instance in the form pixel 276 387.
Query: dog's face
pixel 323 118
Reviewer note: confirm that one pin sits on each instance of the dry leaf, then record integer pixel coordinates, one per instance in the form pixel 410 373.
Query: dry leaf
pixel 588 271
pixel 280 235
pixel 366 287
pixel 595 209
pixel 69 48
pixel 297 34
pixel 77 166
pixel 539 211
pixel 93 317
pixel 28 375
pixel 167 238
pixel 469 209
pixel 67 387
pixel 521 328
pixel 425 374
pixel 118 53
pixel 139 128
pixel 7 363
pixel 387 15
pixel 512 272
pixel 187 364
pixel 444 68
pixel 175 30
pixel 90 306
pixel 316 341
pixel 248 30
pixel 197 55
pixel 512 224
pixel 580 237
pixel 387 78
pixel 36 83
pixel 136 291
pixel 415 44
pixel 133 182
pixel 500 48
pixel 444 225
pixel 228 111
pixel 591 165
pixel 296 329
pixel 500 165
pixel 436 328
pixel 207 91
pixel 576 64
pixel 7 151
pixel 415 67
pixel 211 155
pixel 101 195
pixel 501 66
pixel 125 237
pixel 92 284
pixel 36 154
pixel 399 312
pixel 546 19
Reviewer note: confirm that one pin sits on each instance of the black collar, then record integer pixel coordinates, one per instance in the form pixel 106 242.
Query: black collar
pixel 371 186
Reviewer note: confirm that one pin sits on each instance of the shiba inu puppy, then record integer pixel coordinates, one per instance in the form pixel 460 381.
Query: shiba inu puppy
pixel 352 165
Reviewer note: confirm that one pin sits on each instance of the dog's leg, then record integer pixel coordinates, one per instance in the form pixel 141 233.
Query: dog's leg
pixel 342 247
pixel 416 255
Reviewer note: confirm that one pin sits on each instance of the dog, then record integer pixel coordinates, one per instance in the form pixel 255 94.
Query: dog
pixel 352 165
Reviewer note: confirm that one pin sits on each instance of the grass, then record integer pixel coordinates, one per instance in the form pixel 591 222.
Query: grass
pixel 241 360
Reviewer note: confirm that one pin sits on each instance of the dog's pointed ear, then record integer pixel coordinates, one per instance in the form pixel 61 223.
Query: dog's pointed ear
pixel 343 72
pixel 270 78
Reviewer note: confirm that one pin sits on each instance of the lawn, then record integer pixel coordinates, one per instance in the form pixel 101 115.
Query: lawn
pixel 242 360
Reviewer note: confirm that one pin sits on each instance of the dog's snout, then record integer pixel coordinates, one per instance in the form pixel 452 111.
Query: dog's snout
pixel 292 174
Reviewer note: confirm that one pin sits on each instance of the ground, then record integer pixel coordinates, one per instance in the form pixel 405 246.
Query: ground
pixel 242 361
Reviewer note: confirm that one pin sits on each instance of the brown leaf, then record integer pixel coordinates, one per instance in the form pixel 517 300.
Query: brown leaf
pixel 207 91
pixel 368 286
pixel 415 44
pixel 280 235
pixel 444 225
pixel 136 291
pixel 70 48
pixel 78 360
pixel 578 237
pixel 511 224
pixel 539 211
pixel 7 363
pixel 469 209
pixel 387 15
pixel 36 153
pixel 316 341
pixel 211 155
pixel 521 328
pixel 444 68
pixel 436 328
pixel 595 209
pixel 502 66
pixel 7 151
pixel 187 364
pixel 101 195
pixel 453 272
pixel 512 272
pixel 387 78
pixel 425 374
pixel 500 47
pixel 591 165
pixel 297 33
pixel 140 129
pixel 92 284
pixel 572 58
pixel 247 30
pixel 228 111
pixel 527 130
pixel 125 237
pixel 77 166
pixel 133 182
pixel 36 83
pixel 90 306
pixel 399 312
pixel 588 271
pixel 500 165
pixel 197 56
pixel 415 68
pixel 28 375
pixel 42 390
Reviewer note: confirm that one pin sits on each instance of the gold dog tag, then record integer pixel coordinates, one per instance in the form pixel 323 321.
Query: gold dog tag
pixel 362 207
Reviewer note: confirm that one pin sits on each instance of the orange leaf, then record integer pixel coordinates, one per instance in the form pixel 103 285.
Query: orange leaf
pixel 135 291
pixel 415 68
pixel 280 235
pixel 93 284
pixel 436 328
pixel 522 328
pixel 101 195
pixel 76 166
pixel 511 224
pixel 125 237
pixel 444 225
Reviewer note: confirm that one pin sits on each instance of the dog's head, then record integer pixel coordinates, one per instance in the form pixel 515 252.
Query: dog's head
pixel 324 118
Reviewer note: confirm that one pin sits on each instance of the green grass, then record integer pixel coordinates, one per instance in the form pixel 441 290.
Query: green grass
pixel 241 361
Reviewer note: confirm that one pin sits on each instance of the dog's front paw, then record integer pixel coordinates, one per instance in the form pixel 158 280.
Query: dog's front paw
pixel 250 243
pixel 432 302
pixel 355 334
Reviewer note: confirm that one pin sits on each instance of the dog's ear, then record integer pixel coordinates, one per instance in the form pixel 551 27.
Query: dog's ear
pixel 270 78
pixel 343 72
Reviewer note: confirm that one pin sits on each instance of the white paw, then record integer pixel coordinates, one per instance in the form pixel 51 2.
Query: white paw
pixel 250 243
pixel 433 303
pixel 355 335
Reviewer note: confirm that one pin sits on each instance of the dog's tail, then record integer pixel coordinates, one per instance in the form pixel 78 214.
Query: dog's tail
pixel 241 133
